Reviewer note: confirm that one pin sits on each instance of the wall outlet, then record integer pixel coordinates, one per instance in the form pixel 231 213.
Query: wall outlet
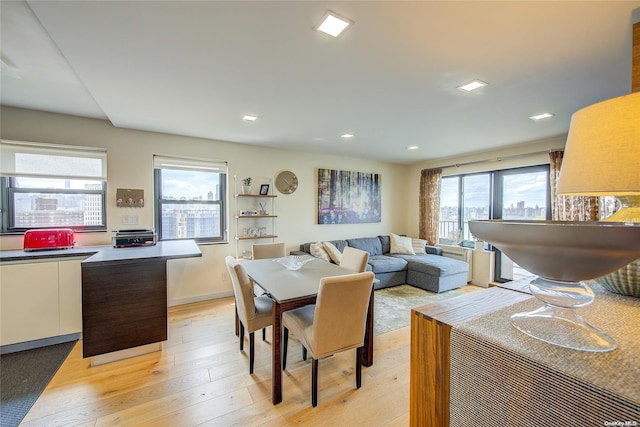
pixel 225 276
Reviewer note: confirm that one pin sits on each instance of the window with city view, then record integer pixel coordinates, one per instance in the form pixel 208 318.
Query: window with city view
pixel 52 186
pixel 521 193
pixel 191 199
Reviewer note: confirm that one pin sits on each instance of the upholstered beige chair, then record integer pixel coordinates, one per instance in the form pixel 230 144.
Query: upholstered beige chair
pixel 354 259
pixel 253 312
pixel 268 250
pixel 334 324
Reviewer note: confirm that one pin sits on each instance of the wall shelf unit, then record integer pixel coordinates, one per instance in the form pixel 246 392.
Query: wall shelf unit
pixel 255 218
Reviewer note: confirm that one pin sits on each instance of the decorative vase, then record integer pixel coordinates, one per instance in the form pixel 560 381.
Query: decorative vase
pixel 246 189
pixel 625 281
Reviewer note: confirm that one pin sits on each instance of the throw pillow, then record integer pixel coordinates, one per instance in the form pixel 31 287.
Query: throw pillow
pixel 419 246
pixel 333 252
pixel 401 245
pixel 318 251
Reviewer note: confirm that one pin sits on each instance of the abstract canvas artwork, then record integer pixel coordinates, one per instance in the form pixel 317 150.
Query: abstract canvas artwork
pixel 346 197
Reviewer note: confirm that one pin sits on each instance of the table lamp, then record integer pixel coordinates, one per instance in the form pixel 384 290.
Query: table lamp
pixel 602 158
pixel 602 155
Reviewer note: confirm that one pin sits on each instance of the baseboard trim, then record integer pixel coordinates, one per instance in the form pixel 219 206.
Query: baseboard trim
pixel 28 345
pixel 199 298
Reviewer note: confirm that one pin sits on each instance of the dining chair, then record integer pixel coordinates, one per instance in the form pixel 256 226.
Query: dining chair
pixel 268 250
pixel 335 323
pixel 354 259
pixel 253 312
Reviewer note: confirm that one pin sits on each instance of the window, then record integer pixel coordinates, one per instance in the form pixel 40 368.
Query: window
pixel 191 199
pixel 47 185
pixel 520 193
pixel 463 198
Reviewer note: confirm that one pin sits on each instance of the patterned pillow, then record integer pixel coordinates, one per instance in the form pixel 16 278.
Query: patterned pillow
pixel 318 251
pixel 333 252
pixel 419 246
pixel 401 245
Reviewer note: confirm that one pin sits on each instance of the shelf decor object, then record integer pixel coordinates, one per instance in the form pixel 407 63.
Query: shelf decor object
pixel 563 255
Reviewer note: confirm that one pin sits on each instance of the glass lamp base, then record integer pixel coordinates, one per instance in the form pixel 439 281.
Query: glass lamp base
pixel 557 322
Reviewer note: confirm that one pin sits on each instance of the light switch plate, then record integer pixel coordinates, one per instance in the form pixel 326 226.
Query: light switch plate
pixel 130 219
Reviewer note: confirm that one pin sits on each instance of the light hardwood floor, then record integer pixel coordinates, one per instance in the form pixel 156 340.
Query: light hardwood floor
pixel 202 378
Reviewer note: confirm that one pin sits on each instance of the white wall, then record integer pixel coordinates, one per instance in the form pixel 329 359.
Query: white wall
pixel 130 155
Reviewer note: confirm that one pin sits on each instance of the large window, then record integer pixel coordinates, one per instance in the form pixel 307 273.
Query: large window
pixel 463 198
pixel 46 186
pixel 511 194
pixel 191 199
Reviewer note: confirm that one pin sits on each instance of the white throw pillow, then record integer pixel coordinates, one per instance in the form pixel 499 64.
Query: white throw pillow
pixel 318 251
pixel 333 252
pixel 401 245
pixel 419 246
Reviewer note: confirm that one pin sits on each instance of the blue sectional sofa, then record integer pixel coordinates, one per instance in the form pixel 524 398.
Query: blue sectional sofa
pixel 430 271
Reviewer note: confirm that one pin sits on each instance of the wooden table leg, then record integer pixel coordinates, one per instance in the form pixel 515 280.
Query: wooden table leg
pixel 367 353
pixel 237 322
pixel 276 351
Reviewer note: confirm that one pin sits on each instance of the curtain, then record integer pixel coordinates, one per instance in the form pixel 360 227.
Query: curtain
pixel 569 208
pixel 430 204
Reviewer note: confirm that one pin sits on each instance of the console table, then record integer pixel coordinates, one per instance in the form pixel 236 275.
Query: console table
pixel 470 367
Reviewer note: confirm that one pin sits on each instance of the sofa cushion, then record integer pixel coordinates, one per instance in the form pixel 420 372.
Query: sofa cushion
pixel 419 246
pixel 401 245
pixel 334 253
pixel 385 241
pixel 386 264
pixel 434 265
pixel 318 251
pixel 367 244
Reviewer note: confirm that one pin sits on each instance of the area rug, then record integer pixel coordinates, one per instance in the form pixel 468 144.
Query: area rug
pixel 393 305
pixel 23 377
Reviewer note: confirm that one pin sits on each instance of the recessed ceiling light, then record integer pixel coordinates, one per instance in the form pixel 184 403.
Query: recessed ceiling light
pixel 473 85
pixel 541 116
pixel 249 118
pixel 333 24
pixel 347 136
pixel 412 147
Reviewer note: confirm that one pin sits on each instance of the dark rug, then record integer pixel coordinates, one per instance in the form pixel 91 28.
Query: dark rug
pixel 23 377
pixel 393 305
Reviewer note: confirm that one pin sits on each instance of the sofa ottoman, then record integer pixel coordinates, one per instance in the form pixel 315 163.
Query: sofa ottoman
pixel 435 273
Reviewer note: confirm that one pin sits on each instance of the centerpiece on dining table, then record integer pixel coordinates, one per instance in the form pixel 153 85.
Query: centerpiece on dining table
pixel 293 262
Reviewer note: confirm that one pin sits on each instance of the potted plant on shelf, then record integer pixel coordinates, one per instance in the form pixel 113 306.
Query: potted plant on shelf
pixel 246 185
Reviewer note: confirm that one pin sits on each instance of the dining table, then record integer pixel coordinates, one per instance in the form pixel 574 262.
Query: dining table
pixel 290 289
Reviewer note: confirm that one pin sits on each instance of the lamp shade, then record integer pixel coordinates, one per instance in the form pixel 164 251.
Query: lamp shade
pixel 602 154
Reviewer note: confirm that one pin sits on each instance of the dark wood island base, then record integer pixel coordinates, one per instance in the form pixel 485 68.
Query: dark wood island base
pixel 124 296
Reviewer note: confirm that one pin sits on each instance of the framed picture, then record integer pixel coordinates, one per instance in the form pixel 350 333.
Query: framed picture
pixel 264 189
pixel 348 197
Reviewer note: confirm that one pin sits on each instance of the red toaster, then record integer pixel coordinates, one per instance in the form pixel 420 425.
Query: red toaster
pixel 48 238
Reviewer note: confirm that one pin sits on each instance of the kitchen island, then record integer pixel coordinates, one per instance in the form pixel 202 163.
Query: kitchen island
pixel 124 296
pixel 117 297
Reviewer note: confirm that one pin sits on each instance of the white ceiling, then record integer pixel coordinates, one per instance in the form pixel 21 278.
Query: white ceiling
pixel 195 68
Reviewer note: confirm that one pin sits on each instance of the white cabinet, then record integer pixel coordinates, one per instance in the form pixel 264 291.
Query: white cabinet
pixel 70 296
pixel 40 300
pixel 483 268
pixel 29 304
